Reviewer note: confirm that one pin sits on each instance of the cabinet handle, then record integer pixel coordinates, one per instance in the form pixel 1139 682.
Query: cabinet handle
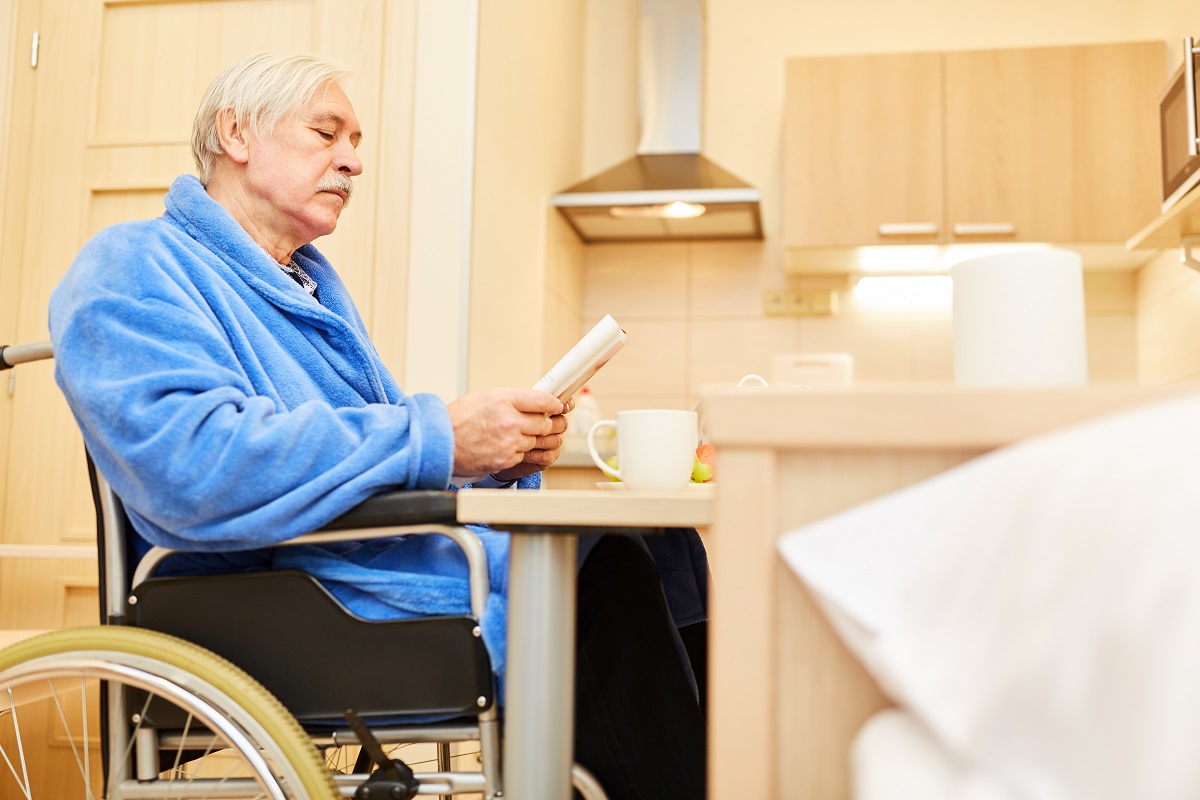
pixel 1189 87
pixel 984 229
pixel 907 228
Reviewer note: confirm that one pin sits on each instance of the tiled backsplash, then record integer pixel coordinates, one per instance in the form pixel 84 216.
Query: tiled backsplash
pixel 694 313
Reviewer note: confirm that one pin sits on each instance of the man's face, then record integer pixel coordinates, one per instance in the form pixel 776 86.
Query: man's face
pixel 299 174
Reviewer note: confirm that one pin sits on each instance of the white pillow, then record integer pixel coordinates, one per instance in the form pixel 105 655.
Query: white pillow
pixel 893 757
pixel 1038 608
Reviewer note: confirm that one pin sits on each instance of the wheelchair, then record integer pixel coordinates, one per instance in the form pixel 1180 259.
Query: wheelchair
pixel 251 685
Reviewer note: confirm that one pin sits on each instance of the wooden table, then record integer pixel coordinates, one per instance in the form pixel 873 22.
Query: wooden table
pixel 540 706
pixel 785 696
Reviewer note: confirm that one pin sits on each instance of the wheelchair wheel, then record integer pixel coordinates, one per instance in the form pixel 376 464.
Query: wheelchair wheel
pixel 228 737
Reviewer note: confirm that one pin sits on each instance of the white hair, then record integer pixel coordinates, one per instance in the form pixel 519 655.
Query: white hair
pixel 260 90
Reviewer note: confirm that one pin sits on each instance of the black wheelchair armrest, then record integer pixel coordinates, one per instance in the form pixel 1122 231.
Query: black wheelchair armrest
pixel 400 507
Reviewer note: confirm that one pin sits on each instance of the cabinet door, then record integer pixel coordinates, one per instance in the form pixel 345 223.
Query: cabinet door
pixel 863 150
pixel 1053 144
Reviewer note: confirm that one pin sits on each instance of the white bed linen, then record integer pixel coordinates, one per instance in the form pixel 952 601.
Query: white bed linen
pixel 1037 609
pixel 893 757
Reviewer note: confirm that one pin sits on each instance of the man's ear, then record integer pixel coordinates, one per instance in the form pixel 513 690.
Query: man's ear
pixel 235 140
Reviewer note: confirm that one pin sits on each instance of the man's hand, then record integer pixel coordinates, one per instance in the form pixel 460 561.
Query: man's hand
pixel 541 457
pixel 508 433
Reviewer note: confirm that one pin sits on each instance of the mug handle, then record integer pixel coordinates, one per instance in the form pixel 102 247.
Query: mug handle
pixel 591 440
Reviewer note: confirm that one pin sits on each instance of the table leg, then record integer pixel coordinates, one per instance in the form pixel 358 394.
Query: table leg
pixel 540 705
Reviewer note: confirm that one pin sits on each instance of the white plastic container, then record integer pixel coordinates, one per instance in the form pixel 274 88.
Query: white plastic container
pixel 1019 320
pixel 585 415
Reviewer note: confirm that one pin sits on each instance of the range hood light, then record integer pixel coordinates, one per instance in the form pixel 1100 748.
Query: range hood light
pixel 659 211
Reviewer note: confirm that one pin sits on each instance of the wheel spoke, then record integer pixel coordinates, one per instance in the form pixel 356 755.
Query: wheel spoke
pixel 87 751
pixel 79 763
pixel 23 779
pixel 187 727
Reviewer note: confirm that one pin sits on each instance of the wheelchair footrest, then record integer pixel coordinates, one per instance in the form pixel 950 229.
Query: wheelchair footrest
pixel 397 782
pixel 392 779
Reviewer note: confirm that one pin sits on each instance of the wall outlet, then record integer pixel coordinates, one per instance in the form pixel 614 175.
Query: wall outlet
pixel 799 302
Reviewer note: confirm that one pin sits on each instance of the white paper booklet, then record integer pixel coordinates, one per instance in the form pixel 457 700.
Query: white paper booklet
pixel 584 359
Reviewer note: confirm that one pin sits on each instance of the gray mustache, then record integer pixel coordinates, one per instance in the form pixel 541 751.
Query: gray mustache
pixel 339 182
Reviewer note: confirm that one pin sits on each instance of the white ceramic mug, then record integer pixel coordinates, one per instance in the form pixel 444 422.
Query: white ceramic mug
pixel 656 448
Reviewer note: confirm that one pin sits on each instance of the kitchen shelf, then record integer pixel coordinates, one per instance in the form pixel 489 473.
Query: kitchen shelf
pixel 1166 231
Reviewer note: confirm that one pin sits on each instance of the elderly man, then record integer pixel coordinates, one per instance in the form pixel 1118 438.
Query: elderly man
pixel 227 389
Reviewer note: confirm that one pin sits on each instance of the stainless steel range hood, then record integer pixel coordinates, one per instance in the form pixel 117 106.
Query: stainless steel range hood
pixel 668 190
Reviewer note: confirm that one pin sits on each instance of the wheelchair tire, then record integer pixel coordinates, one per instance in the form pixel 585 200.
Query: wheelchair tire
pixel 42 678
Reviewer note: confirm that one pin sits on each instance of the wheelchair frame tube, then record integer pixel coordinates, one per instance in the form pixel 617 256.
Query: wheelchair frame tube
pixel 115 571
pixel 477 564
pixel 13 354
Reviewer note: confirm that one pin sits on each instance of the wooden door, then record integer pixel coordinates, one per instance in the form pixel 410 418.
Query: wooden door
pixel 101 128
pixel 863 150
pixel 1058 143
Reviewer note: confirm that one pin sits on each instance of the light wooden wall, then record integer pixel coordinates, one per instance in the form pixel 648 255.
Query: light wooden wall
pixel 8 9
pixel 526 266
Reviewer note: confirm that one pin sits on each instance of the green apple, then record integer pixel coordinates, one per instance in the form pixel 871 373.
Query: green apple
pixel 612 462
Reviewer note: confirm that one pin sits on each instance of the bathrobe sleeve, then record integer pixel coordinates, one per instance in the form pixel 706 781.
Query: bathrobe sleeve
pixel 227 415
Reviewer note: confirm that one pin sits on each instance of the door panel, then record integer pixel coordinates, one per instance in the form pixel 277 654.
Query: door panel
pixel 105 127
pixel 163 56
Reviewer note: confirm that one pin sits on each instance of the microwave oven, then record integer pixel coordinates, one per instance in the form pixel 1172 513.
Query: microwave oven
pixel 1178 132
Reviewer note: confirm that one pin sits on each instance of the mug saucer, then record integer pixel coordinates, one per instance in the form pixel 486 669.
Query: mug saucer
pixel 691 488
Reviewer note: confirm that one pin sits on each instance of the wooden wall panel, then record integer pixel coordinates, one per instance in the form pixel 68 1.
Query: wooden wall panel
pixel 140 45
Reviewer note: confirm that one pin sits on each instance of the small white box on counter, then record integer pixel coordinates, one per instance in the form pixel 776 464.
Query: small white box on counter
pixel 812 369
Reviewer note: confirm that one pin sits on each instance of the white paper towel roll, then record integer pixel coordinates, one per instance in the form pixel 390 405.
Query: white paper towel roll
pixel 1019 320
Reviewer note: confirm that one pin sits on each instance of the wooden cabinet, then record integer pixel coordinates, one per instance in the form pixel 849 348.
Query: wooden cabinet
pixel 863 149
pixel 1054 144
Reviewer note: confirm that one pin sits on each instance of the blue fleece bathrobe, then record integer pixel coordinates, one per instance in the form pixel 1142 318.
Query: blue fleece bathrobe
pixel 230 411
